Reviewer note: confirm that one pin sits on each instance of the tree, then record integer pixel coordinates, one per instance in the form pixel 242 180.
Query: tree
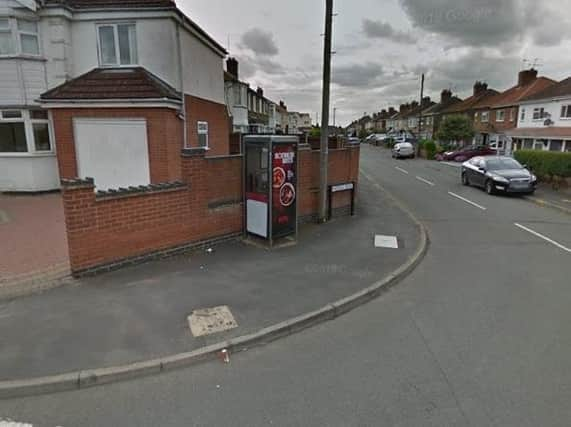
pixel 455 128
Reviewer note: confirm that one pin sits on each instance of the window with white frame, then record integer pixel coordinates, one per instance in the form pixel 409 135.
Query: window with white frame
pixel 500 115
pixel 539 113
pixel 24 131
pixel 202 129
pixel 6 39
pixel 28 35
pixel 566 111
pixel 117 44
pixel 19 37
pixel 485 116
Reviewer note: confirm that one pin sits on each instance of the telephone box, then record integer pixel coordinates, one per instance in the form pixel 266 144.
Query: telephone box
pixel 271 167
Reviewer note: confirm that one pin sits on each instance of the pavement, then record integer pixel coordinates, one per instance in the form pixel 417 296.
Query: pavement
pixel 33 253
pixel 140 313
pixel 476 335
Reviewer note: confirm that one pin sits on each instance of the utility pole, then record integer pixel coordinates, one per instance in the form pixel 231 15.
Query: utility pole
pixel 420 112
pixel 324 155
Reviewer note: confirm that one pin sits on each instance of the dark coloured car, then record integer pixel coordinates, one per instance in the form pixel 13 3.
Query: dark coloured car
pixel 498 174
pixel 466 153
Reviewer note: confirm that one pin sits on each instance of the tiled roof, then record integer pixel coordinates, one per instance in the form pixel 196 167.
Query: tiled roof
pixel 113 83
pixel 562 88
pixel 90 4
pixel 437 108
pixel 515 94
pixel 471 102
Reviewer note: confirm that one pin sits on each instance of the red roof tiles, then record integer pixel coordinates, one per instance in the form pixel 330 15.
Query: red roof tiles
pixel 557 90
pixel 113 83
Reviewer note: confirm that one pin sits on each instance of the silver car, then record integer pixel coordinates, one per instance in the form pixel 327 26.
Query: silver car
pixel 403 150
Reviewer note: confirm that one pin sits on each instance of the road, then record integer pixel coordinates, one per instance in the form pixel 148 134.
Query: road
pixel 477 335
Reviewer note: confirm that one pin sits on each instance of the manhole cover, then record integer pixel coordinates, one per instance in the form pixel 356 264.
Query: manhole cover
pixel 208 321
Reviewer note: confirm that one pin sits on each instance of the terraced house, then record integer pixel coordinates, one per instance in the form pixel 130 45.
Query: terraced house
pixel 115 88
pixel 498 114
pixel 544 121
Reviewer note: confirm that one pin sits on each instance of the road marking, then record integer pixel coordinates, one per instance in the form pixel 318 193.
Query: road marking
pixel 467 201
pixel 547 239
pixel 401 169
pixel 432 184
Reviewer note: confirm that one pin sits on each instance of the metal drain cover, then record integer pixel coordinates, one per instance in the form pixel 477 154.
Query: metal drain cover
pixel 206 321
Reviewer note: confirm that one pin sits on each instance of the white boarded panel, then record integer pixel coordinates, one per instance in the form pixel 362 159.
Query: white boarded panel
pixel 257 218
pixel 112 151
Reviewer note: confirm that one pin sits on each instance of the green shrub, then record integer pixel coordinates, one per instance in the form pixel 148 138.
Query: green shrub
pixel 546 164
pixel 430 148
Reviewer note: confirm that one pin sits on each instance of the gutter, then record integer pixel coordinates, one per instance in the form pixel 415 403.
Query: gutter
pixel 182 113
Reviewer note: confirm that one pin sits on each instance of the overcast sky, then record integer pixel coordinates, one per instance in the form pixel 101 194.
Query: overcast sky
pixel 383 45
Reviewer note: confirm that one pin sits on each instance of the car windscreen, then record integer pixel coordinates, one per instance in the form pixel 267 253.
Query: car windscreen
pixel 502 164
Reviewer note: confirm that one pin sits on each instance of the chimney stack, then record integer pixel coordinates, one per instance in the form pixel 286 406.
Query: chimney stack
pixel 426 102
pixel 480 87
pixel 392 111
pixel 232 67
pixel 445 96
pixel 525 77
pixel 260 92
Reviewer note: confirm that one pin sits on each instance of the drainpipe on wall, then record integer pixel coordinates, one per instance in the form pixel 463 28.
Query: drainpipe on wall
pixel 182 113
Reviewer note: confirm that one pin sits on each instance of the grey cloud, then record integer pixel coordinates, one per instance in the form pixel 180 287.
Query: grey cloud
pixel 251 65
pixel 358 75
pixel 260 42
pixel 476 64
pixel 384 30
pixel 486 22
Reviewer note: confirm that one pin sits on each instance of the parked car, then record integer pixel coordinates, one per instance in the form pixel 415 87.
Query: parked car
pixel 498 174
pixel 379 138
pixel 403 150
pixel 370 138
pixel 353 140
pixel 466 153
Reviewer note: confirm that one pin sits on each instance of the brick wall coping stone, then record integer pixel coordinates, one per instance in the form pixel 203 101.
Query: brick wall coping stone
pixel 77 183
pixel 194 152
pixel 140 190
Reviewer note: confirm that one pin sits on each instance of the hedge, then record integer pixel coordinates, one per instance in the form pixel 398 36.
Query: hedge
pixel 430 148
pixel 546 164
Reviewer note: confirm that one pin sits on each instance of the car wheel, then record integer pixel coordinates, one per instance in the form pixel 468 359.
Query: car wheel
pixel 490 187
pixel 465 179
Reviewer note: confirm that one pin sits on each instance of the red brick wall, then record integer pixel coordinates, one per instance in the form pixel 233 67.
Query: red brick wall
pixel 493 126
pixel 103 230
pixel 110 228
pixel 198 110
pixel 164 137
pixel 343 167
